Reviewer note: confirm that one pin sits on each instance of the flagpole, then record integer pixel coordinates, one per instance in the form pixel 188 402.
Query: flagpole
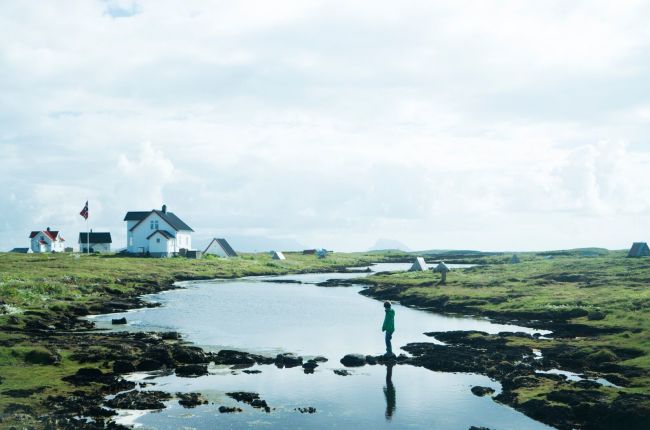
pixel 87 232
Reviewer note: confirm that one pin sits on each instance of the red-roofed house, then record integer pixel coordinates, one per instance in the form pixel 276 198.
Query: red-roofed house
pixel 46 241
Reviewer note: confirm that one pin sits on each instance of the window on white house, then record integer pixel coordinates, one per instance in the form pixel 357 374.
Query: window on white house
pixel 157 240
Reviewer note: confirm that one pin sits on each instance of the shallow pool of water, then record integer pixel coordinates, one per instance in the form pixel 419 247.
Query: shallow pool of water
pixel 255 315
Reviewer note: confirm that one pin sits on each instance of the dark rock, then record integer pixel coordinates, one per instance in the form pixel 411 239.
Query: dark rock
pixel 230 357
pixel 252 372
pixel 596 316
pixel 478 428
pixel 118 321
pixel 139 400
pixel 192 370
pixel 191 400
pixel 353 360
pixel 189 355
pixel 229 409
pixel 123 366
pixel 309 366
pixel 39 325
pixel 88 375
pixel 19 393
pixel 170 335
pixel 482 391
pixel 160 353
pixel 342 372
pixel 147 365
pixel 252 399
pixel 288 360
pixel 319 359
pixel 306 410
pixel 40 356
pixel 587 384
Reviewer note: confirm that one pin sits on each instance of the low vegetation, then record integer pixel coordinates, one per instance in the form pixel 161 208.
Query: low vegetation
pixel 597 304
pixel 41 296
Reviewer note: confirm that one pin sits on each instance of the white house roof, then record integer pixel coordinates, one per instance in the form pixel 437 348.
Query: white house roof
pixel 175 222
pixel 95 238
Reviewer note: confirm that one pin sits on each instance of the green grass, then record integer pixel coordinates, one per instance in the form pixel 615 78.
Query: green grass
pixel 42 286
pixel 546 290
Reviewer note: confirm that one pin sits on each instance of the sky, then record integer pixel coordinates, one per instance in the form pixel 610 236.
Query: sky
pixel 489 125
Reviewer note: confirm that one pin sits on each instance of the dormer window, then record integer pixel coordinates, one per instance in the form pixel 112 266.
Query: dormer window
pixel 154 224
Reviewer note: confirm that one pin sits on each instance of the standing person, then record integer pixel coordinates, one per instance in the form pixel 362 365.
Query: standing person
pixel 389 327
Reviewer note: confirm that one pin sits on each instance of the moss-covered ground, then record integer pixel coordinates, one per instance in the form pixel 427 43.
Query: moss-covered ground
pixel 44 289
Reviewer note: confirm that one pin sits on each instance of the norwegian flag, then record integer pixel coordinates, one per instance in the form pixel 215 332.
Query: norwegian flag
pixel 84 211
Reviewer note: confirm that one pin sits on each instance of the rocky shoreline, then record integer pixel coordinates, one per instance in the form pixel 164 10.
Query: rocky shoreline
pixel 507 358
pixel 109 355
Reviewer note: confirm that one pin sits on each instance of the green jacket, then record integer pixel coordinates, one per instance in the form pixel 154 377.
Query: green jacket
pixel 389 321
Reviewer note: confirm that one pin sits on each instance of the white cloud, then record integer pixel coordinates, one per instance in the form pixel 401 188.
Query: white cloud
pixel 439 124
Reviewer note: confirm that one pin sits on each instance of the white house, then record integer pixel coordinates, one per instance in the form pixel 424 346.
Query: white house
pixel 46 241
pixel 157 232
pixel 99 242
pixel 220 247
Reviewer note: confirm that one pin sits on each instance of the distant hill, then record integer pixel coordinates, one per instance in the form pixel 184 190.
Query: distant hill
pixel 389 244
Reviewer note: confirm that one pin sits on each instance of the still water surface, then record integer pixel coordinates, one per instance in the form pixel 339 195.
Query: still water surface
pixel 258 316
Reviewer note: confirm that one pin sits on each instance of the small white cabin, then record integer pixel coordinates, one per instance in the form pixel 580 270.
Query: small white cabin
pixel 97 242
pixel 46 241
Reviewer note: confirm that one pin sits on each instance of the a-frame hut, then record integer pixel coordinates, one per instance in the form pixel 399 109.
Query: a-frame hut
pixel 278 255
pixel 515 259
pixel 419 265
pixel 220 247
pixel 639 249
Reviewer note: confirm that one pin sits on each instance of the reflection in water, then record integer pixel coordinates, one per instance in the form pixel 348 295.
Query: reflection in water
pixel 389 392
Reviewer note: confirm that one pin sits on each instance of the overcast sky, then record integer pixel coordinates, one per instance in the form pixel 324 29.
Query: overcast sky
pixel 492 125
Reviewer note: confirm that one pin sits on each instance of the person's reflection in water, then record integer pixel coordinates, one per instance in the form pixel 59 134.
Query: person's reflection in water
pixel 389 392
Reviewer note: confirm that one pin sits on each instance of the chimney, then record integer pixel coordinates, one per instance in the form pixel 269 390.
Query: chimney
pixel 164 209
pixel 48 229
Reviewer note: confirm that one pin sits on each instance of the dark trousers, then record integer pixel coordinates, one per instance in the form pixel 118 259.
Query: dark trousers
pixel 389 337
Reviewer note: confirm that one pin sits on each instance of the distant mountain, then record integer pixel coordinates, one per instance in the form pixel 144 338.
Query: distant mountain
pixel 386 244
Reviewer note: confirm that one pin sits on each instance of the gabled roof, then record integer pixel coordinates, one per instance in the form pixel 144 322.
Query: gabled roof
pixel 95 237
pixel 175 222
pixel 136 216
pixel 224 245
pixel 20 250
pixel 167 235
pixel 49 233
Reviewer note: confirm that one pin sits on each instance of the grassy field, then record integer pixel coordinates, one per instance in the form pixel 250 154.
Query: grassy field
pixel 604 299
pixel 602 295
pixel 45 289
